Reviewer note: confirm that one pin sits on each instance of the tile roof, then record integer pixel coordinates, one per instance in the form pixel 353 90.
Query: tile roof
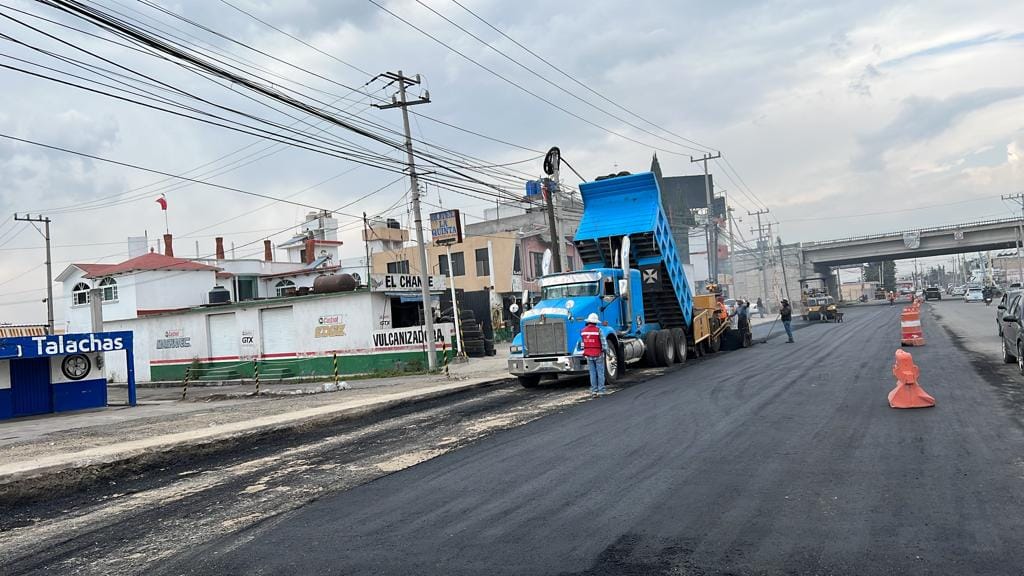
pixel 147 262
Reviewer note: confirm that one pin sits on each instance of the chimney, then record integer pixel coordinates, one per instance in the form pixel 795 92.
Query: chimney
pixel 220 248
pixel 310 251
pixel 268 251
pixel 168 248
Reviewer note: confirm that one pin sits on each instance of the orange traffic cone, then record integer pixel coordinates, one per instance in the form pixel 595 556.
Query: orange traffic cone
pixel 907 393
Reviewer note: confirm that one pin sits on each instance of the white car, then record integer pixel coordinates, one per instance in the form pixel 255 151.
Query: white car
pixel 974 295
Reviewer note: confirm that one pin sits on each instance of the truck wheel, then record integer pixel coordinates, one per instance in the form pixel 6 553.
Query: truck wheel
pixel 679 342
pixel 612 363
pixel 529 380
pixel 666 351
pixel 715 345
pixel 650 349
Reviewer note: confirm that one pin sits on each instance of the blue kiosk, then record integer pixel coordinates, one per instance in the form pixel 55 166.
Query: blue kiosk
pixel 57 373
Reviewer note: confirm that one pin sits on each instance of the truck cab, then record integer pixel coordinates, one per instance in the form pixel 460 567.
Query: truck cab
pixel 549 341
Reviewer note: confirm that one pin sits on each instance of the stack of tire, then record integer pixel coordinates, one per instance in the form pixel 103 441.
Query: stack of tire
pixel 473 343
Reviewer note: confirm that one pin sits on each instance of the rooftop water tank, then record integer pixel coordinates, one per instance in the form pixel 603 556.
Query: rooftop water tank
pixel 219 295
pixel 334 283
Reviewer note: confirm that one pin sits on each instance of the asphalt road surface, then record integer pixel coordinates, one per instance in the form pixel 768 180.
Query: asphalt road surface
pixel 782 459
pixel 785 459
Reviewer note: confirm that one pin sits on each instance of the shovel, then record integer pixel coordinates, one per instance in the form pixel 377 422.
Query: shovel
pixel 770 328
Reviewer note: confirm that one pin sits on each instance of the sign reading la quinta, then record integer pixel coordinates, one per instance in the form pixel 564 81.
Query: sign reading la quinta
pixel 446 227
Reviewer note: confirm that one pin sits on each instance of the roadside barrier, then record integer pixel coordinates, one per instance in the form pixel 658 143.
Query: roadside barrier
pixel 445 355
pixel 188 376
pixel 256 375
pixel 908 393
pixel 336 379
pixel 910 327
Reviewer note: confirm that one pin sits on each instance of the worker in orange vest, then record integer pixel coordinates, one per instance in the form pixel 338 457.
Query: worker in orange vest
pixel 594 347
pixel 723 312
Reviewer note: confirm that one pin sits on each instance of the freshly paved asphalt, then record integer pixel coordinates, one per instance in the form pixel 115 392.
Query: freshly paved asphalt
pixel 784 459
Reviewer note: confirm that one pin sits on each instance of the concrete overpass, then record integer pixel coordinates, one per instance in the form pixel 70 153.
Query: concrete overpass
pixel 819 258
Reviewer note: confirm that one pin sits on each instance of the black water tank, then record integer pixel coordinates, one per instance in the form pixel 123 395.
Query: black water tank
pixel 334 283
pixel 220 295
pixel 392 223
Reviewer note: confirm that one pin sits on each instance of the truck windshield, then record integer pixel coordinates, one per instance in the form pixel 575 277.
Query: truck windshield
pixel 572 290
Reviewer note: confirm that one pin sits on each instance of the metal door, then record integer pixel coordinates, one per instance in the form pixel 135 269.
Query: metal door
pixel 278 331
pixel 30 386
pixel 224 336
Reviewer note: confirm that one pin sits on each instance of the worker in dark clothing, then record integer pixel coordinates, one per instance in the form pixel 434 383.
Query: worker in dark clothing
pixel 786 315
pixel 760 307
pixel 743 321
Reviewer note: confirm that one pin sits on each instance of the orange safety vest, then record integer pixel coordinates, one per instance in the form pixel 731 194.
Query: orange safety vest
pixel 591 341
pixel 723 314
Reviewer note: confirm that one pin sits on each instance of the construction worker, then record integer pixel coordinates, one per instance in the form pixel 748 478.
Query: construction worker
pixel 723 312
pixel 594 346
pixel 760 307
pixel 786 315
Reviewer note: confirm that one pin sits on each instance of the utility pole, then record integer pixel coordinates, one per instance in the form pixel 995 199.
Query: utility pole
pixel 782 261
pixel 49 263
pixel 710 228
pixel 762 240
pixel 1019 198
pixel 400 101
pixel 552 162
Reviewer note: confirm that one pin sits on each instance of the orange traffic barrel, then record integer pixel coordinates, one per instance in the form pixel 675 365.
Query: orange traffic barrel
pixel 910 327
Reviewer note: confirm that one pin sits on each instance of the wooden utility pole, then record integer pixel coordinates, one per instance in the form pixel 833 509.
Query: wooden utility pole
pixel 49 263
pixel 400 101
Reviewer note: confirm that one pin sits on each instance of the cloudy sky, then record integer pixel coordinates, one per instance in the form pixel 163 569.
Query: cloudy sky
pixel 842 118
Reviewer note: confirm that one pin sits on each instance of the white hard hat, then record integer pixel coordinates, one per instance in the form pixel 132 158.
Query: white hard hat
pixel 593 318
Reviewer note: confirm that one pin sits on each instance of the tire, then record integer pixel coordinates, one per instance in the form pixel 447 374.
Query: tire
pixel 529 380
pixel 665 350
pixel 650 347
pixel 1020 358
pixel 715 345
pixel 612 363
pixel 679 342
pixel 1007 357
pixel 999 329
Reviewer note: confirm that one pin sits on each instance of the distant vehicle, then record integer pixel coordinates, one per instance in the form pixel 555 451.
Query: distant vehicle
pixel 974 295
pixel 959 291
pixel 933 293
pixel 1013 334
pixel 1004 305
pixel 820 308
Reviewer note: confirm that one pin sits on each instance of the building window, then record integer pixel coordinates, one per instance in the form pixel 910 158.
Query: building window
pixel 538 263
pixel 442 264
pixel 458 264
pixel 80 294
pixel 284 288
pixel 400 267
pixel 246 288
pixel 483 262
pixel 109 286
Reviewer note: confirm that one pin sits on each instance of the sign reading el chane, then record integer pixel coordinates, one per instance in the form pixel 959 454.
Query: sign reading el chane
pixel 446 227
pixel 403 283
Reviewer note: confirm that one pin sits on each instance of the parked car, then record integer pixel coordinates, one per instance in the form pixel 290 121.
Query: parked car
pixel 1004 305
pixel 959 290
pixel 730 305
pixel 933 293
pixel 1013 334
pixel 974 295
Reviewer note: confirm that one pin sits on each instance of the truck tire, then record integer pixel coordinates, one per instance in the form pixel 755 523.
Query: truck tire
pixel 650 347
pixel 679 342
pixel 612 363
pixel 665 348
pixel 528 380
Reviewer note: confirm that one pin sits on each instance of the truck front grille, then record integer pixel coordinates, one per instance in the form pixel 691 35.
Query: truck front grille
pixel 547 339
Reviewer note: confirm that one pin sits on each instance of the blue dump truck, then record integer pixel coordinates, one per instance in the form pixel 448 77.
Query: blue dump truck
pixel 632 278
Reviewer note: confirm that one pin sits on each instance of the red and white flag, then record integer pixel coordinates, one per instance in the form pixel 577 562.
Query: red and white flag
pixel 162 201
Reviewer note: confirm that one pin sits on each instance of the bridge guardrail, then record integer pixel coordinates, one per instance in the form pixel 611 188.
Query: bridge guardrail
pixel 900 233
